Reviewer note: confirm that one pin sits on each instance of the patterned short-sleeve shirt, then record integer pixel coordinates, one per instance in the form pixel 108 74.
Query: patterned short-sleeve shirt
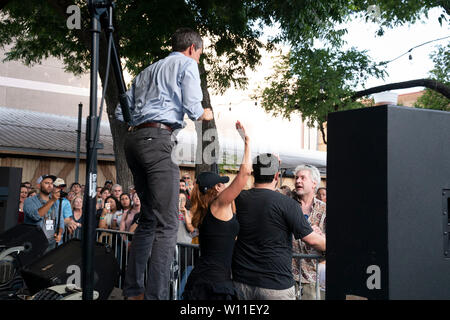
pixel 308 266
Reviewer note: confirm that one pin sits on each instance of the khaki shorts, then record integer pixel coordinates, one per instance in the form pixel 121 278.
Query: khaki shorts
pixel 249 292
pixel 309 291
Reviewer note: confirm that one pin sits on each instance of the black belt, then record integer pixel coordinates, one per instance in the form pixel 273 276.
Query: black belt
pixel 152 125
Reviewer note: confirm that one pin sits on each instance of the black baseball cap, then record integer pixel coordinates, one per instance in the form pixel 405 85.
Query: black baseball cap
pixel 207 180
pixel 45 176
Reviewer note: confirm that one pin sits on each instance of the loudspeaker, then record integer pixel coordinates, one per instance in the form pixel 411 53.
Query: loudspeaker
pixel 29 236
pixel 388 189
pixel 63 265
pixel 10 180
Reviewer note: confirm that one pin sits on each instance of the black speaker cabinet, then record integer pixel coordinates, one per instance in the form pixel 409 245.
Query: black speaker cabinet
pixel 63 265
pixel 10 180
pixel 31 237
pixel 388 189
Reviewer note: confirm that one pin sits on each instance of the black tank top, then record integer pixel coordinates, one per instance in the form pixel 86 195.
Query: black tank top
pixel 211 276
pixel 217 239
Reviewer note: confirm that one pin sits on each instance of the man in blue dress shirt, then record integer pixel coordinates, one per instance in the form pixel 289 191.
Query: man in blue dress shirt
pixel 159 98
pixel 43 210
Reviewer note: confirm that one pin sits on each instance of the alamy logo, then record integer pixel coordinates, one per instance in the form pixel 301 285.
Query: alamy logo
pixel 374 13
pixel 374 280
pixel 74 20
pixel 75 275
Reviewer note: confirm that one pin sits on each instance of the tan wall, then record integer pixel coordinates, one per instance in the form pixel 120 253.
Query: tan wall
pixel 40 99
pixel 34 168
pixel 409 99
pixel 47 102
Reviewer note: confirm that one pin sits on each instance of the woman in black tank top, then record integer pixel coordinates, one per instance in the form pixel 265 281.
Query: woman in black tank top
pixel 218 228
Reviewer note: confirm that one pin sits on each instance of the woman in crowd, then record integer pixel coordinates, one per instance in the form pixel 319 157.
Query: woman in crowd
pixel 70 196
pixel 32 193
pixel 104 193
pixel 23 196
pixel 322 194
pixel 107 218
pixel 129 215
pixel 218 227
pixel 112 205
pixel 77 209
pixel 125 203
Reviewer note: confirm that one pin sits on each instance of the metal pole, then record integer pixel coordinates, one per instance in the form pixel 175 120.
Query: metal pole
pixel 87 273
pixel 317 280
pixel 77 160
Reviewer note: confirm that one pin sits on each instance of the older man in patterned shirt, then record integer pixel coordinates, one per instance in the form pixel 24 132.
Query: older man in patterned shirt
pixel 307 181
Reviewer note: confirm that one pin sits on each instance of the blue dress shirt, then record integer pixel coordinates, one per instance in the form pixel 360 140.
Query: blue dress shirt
pixel 165 91
pixel 31 215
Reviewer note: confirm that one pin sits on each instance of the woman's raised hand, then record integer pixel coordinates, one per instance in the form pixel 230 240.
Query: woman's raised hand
pixel 241 130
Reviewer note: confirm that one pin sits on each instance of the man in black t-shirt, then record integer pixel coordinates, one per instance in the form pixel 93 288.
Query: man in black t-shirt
pixel 262 258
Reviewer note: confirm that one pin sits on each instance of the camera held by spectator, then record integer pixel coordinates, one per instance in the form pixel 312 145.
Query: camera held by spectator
pixel 60 184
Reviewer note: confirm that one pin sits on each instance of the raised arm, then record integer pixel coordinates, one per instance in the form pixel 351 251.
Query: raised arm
pixel 316 241
pixel 227 196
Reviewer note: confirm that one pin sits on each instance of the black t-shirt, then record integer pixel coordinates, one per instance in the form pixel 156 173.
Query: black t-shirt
pixel 263 252
pixel 136 218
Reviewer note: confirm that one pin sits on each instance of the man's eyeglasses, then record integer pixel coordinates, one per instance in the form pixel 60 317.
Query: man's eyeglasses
pixel 186 178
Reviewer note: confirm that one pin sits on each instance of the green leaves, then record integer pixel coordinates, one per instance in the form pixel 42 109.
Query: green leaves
pixel 143 30
pixel 311 80
pixel 441 72
pixel 316 82
pixel 38 32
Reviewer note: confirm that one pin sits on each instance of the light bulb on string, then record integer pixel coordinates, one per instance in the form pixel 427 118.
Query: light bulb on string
pixel 410 60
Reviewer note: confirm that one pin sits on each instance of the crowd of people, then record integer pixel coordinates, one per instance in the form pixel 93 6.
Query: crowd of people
pixel 40 205
pixel 246 237
pixel 120 211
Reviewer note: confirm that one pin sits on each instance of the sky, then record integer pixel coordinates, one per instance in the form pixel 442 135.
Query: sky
pixel 398 41
pixel 393 43
pixel 236 104
pixel 281 135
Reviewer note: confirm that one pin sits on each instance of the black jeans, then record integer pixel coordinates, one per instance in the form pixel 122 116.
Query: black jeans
pixel 156 179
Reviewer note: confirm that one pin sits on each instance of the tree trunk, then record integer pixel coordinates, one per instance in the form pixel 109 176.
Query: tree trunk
pixel 118 128
pixel 207 152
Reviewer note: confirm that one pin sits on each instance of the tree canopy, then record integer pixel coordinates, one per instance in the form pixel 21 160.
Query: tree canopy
pixel 316 80
pixel 143 29
pixel 441 72
pixel 311 80
pixel 36 30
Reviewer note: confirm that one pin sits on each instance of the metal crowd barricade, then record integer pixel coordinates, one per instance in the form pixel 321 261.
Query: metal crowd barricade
pixel 316 257
pixel 69 236
pixel 185 257
pixel 120 242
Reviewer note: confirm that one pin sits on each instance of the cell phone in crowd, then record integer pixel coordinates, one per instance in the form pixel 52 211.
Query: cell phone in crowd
pixel 107 206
